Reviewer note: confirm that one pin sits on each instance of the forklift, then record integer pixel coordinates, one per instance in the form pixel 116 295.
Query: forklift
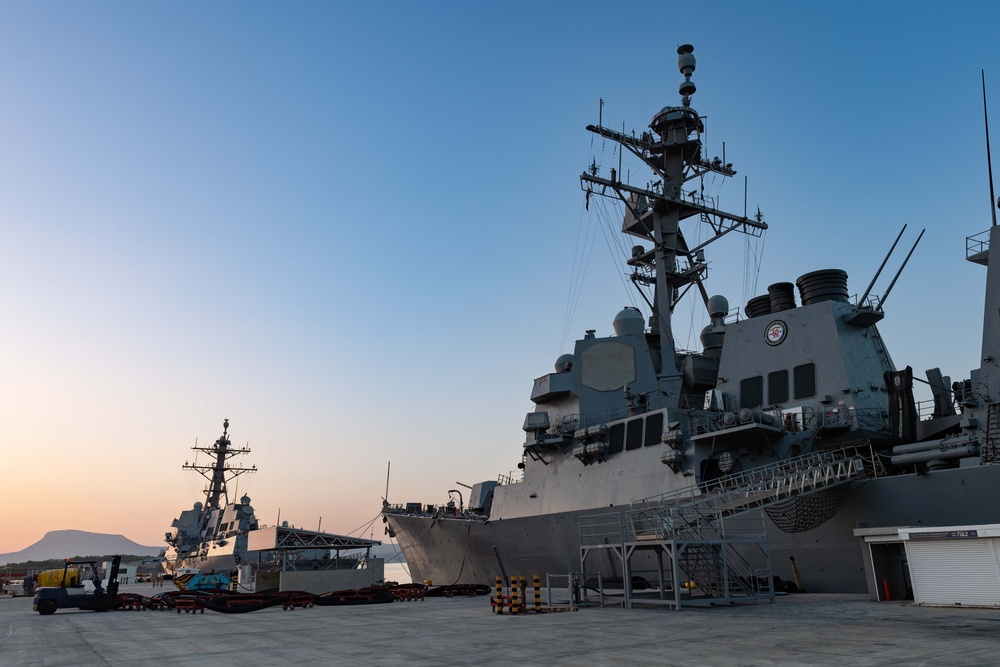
pixel 49 598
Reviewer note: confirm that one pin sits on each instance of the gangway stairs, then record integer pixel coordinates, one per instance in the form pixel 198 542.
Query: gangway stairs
pixel 757 488
pixel 708 534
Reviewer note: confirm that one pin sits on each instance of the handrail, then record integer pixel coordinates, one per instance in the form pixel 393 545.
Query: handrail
pixel 977 243
pixel 744 477
pixel 678 514
pixel 720 568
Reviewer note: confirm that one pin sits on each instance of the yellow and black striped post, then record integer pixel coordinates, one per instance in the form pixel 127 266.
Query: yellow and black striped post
pixel 498 606
pixel 513 594
pixel 536 584
pixel 523 608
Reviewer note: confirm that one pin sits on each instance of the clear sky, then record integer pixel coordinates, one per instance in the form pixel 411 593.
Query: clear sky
pixel 351 227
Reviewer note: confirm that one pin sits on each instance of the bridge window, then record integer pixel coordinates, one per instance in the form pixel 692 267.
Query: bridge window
pixel 752 392
pixel 633 434
pixel 654 429
pixel 777 387
pixel 616 438
pixel 804 378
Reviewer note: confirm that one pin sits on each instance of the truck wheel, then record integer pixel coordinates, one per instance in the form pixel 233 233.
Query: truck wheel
pixel 46 607
pixel 102 602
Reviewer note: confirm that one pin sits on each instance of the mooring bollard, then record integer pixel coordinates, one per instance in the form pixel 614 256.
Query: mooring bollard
pixel 498 600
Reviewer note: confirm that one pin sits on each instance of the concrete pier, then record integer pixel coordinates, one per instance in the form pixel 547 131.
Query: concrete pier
pixel 796 630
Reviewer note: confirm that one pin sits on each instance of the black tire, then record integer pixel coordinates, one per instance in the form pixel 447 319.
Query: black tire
pixel 46 607
pixel 102 602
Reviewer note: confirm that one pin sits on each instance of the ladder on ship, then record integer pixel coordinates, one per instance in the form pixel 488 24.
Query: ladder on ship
pixel 990 453
pixel 883 353
pixel 710 565
pixel 706 533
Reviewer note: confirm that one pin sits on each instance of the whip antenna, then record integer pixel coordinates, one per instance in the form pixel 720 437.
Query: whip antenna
pixel 989 162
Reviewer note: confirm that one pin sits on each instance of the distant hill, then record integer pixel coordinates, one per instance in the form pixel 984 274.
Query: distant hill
pixel 69 543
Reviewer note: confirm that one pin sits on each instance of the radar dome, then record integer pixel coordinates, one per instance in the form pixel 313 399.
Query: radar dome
pixel 718 306
pixel 198 506
pixel 564 364
pixel 629 322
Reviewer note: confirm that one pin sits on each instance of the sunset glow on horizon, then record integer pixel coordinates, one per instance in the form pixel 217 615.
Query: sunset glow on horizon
pixel 351 228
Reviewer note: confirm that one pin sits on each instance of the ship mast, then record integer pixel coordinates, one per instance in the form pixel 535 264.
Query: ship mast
pixel 219 473
pixel 654 213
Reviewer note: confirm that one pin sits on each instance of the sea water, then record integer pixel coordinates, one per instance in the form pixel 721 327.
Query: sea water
pixel 398 572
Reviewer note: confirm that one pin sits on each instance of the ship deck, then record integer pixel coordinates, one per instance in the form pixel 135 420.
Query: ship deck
pixel 797 629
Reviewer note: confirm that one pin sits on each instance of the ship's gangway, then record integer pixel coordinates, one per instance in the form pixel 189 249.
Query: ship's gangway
pixel 707 533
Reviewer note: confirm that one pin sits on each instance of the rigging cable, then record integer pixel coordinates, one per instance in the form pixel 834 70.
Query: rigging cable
pixel 753 256
pixel 360 530
pixel 468 537
pixel 581 261
pixel 582 251
pixel 609 234
pixel 397 550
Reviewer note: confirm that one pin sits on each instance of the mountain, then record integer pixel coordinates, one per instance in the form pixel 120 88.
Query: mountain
pixel 69 543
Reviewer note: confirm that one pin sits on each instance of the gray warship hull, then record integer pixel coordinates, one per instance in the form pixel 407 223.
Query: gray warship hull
pixel 793 417
pixel 829 557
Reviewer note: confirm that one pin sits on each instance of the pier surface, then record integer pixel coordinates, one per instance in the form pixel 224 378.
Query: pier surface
pixel 796 630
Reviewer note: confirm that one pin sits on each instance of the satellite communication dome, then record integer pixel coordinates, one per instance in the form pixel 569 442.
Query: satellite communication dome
pixel 629 322
pixel 718 306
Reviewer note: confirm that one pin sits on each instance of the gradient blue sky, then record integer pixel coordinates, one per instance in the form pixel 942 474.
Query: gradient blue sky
pixel 351 227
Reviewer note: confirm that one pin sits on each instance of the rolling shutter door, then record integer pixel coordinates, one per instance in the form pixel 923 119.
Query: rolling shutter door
pixel 954 572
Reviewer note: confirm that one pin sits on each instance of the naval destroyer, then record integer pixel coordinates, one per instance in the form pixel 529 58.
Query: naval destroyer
pixel 629 423
pixel 213 535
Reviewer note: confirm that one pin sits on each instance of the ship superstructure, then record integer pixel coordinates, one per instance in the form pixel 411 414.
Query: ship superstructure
pixel 213 535
pixel 629 421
